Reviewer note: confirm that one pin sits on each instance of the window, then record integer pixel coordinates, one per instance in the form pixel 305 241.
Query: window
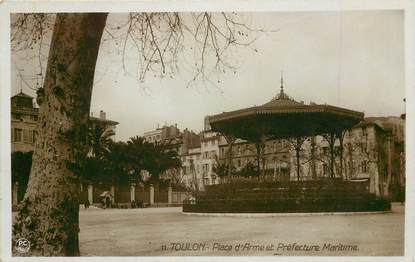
pixel 16 116
pixel 26 136
pixel 364 133
pixel 364 166
pixel 363 146
pixel 18 135
pixel 325 170
pixel 351 166
pixel 212 154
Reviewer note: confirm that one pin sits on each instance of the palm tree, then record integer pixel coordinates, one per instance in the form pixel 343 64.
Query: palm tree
pixel 116 158
pixel 160 159
pixel 96 165
pixel 99 139
pixel 138 152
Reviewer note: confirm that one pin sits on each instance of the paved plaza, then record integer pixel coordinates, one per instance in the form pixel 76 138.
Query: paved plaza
pixel 168 232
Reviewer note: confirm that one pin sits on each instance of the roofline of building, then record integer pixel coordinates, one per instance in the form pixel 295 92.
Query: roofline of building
pixel 374 124
pixel 21 94
pixel 92 118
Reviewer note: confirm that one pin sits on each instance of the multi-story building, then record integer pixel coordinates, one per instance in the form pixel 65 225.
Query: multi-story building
pixel 24 115
pixel 162 133
pixel 209 156
pixel 107 124
pixel 190 173
pixel 183 142
pixel 199 161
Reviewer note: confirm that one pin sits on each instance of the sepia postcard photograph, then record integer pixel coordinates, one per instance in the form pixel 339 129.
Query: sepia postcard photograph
pixel 205 132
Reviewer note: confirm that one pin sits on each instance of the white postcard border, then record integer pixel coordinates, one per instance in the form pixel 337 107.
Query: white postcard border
pixel 7 7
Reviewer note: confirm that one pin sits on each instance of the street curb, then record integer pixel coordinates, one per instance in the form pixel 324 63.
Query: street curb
pixel 261 215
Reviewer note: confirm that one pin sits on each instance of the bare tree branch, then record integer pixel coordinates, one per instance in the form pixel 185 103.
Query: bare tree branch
pixel 158 39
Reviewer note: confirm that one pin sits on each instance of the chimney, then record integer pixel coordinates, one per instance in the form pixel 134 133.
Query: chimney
pixel 102 115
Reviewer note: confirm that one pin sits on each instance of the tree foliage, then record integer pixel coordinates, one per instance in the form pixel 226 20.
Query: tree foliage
pixel 160 159
pixel 122 163
pixel 99 139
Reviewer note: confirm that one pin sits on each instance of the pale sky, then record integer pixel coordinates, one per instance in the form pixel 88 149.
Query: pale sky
pixel 350 59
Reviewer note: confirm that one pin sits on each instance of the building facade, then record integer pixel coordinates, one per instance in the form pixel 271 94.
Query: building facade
pixel 24 115
pixel 370 151
pixel 162 134
pixel 191 166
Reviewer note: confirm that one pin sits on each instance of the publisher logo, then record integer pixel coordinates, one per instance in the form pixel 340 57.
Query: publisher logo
pixel 22 245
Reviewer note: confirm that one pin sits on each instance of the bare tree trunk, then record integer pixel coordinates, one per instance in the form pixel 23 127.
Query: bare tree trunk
pixel 313 158
pixel 49 214
pixel 341 135
pixel 230 139
pixel 389 167
pixel 297 144
pixel 332 140
pixel 258 159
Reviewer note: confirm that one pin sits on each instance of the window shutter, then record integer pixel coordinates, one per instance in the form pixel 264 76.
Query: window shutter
pixel 25 136
pixel 32 136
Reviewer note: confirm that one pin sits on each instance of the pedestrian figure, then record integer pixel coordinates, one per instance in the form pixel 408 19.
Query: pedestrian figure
pixel 107 202
pixel 140 203
pixel 86 204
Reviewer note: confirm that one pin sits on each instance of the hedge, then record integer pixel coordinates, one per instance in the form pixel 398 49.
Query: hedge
pixel 291 197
